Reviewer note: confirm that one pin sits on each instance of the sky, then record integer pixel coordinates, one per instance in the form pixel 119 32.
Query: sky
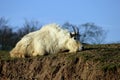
pixel 104 13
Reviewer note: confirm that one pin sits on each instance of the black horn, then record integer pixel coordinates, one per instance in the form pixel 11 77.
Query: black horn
pixel 76 34
pixel 76 30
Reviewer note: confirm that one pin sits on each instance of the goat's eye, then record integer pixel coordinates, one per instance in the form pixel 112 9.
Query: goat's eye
pixel 75 38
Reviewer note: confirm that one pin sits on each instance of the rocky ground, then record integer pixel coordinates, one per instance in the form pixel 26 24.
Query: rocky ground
pixel 96 62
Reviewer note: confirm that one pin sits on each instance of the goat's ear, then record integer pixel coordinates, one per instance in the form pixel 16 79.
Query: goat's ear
pixel 72 34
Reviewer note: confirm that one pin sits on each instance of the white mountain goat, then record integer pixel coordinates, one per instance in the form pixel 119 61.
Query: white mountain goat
pixel 49 39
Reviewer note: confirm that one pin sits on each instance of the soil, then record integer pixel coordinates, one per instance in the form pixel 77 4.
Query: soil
pixel 96 62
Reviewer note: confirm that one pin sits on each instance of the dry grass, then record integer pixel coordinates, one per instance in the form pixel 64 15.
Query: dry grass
pixel 107 55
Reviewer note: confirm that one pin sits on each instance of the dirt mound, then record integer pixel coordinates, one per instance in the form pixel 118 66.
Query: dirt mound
pixel 100 62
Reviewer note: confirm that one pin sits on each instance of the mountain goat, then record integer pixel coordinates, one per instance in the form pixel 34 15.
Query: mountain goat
pixel 49 39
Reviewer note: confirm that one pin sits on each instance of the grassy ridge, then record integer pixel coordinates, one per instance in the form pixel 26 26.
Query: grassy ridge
pixel 108 55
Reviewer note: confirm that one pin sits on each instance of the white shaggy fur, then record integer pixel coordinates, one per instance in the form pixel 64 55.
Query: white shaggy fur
pixel 49 39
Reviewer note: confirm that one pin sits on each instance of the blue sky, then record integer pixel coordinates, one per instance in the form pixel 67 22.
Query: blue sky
pixel 105 13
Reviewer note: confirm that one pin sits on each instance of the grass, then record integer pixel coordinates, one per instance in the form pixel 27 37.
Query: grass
pixel 4 55
pixel 108 55
pixel 109 67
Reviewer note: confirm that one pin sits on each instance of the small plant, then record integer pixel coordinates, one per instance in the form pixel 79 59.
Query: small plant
pixel 109 67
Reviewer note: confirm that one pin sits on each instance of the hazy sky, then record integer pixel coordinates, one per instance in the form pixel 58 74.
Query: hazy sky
pixel 105 13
